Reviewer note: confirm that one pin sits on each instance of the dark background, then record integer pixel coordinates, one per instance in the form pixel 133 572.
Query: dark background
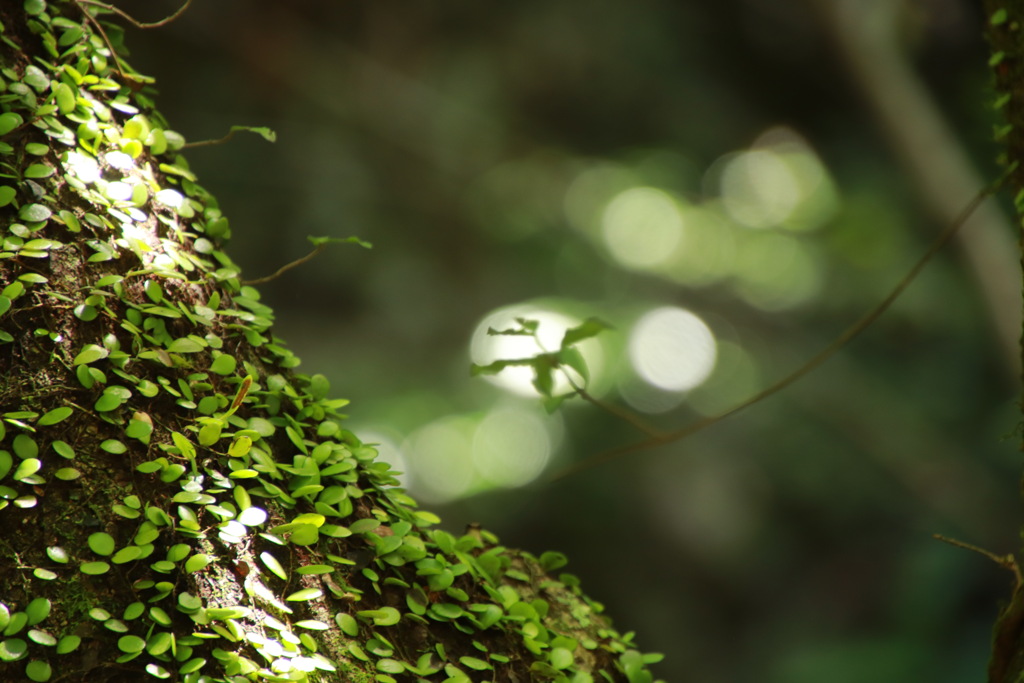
pixel 791 543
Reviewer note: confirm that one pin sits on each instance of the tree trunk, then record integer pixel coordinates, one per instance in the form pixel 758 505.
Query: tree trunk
pixel 180 504
pixel 1005 33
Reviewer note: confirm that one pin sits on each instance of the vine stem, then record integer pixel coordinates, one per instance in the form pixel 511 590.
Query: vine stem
pixel 132 20
pixel 660 439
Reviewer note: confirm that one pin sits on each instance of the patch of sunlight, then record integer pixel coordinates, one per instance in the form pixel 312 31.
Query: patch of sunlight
pixel 511 447
pixel 485 349
pixel 440 459
pixel 758 189
pixel 672 349
pixel 775 271
pixel 82 166
pixel 708 253
pixel 779 182
pixel 642 227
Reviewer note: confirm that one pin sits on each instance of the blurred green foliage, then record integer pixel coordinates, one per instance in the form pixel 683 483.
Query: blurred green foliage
pixel 479 147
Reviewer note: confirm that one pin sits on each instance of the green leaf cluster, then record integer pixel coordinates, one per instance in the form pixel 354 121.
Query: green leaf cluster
pixel 213 519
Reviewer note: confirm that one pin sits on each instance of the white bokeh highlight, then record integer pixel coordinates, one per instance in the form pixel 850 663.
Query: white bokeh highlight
pixel 672 349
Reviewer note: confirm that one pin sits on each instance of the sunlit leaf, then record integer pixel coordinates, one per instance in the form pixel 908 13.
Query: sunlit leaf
pixel 590 327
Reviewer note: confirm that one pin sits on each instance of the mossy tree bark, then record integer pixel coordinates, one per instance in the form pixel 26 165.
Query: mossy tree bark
pixel 1005 33
pixel 179 503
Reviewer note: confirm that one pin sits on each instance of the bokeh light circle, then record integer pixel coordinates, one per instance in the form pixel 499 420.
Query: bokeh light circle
pixel 672 349
pixel 642 227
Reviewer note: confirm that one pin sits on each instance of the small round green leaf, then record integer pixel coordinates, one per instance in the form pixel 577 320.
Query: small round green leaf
pixel 113 446
pixel 475 663
pixel 560 658
pixel 161 642
pixel 305 594
pixel 89 354
pixel 304 534
pixel 37 610
pixel 57 554
pixel 38 670
pixel 127 554
pixel 273 565
pixel 131 644
pixel 391 666
pixel 12 649
pixel 94 568
pixel 41 637
pixel 65 97
pixel 347 623
pixel 192 665
pixel 6 463
pixel 107 402
pixel 34 8
pixel 312 624
pixel 26 468
pixel 54 416
pixel 67 644
pixel 34 213
pixel 9 122
pixel 25 446
pixel 223 364
pixel 134 611
pixel 196 562
pixel 385 616
pixel 159 616
pixel 38 171
pixel 157 671
pixel 101 543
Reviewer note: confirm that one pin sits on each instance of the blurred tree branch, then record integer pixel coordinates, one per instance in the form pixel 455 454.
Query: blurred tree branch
pixel 866 35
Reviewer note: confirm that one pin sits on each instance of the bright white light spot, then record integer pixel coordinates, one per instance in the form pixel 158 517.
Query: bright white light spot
pixel 485 349
pixel 759 189
pixel 118 191
pixel 120 160
pixel 84 167
pixel 171 198
pixel 136 214
pixel 511 447
pixel 642 226
pixel 440 459
pixel 672 349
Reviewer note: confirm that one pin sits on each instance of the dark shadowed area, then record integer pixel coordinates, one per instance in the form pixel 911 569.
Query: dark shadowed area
pixel 730 185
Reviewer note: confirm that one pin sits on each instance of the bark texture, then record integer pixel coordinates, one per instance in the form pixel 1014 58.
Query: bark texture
pixel 1005 34
pixel 178 502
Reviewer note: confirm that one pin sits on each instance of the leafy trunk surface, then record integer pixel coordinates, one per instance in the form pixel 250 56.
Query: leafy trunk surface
pixel 1005 34
pixel 178 503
